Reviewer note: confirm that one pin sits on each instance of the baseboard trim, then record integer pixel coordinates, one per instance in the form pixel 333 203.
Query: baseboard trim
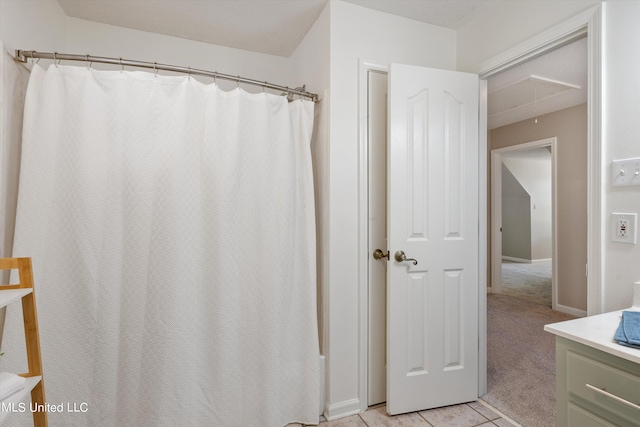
pixel 542 260
pixel 514 259
pixel 342 409
pixel 570 310
pixel 323 378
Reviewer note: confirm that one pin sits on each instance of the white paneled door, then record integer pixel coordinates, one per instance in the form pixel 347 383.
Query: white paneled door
pixel 432 295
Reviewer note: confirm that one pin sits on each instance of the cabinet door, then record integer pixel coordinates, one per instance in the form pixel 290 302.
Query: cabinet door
pixel 578 417
pixel 595 388
pixel 604 387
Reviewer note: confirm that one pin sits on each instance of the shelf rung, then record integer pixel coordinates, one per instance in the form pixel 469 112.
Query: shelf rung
pixel 7 296
pixel 14 400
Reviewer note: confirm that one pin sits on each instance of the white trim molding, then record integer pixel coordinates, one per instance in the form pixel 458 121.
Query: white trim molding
pixel 553 38
pixel 364 67
pixel 514 259
pixel 483 195
pixel 342 409
pixel 595 183
pixel 570 310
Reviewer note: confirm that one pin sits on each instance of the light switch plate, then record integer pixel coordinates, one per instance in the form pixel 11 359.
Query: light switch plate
pixel 625 172
pixel 623 227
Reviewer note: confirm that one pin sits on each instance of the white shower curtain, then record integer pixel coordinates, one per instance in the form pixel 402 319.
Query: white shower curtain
pixel 172 235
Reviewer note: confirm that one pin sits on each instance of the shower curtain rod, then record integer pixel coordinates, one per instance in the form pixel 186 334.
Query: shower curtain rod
pixel 25 55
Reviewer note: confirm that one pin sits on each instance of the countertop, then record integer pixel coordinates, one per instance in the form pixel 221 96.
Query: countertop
pixel 597 332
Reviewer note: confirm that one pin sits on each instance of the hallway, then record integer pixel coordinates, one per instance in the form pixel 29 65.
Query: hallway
pixel 531 282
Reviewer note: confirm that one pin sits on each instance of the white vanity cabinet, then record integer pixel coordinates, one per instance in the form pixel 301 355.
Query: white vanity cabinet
pixel 597 380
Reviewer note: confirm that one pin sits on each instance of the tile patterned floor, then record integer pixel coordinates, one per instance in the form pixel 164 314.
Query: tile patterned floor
pixel 474 414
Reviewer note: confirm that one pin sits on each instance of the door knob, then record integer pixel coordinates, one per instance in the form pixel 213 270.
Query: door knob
pixel 378 254
pixel 400 257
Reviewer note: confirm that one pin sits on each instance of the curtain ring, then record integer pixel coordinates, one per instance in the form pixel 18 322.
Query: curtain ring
pixel 238 81
pixel 215 75
pixel 189 71
pixel 121 69
pixel 55 59
pixel 155 70
pixel 86 60
pixel 33 61
pixel 264 88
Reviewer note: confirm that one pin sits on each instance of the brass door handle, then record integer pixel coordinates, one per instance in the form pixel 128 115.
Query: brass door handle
pixel 378 254
pixel 401 257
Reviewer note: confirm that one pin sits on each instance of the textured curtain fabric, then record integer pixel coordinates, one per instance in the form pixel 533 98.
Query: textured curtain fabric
pixel 171 227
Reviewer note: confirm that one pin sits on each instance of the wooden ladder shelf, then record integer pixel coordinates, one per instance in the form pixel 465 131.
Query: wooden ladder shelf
pixel 24 291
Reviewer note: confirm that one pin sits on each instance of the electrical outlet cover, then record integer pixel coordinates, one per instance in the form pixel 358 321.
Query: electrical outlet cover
pixel 623 227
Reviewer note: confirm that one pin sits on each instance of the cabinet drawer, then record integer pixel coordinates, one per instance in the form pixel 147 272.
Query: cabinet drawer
pixel 578 417
pixel 604 387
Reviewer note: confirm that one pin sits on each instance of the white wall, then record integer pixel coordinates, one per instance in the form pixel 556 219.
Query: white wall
pixel 311 63
pixel 13 86
pixel 621 139
pixel 310 60
pixel 24 24
pixel 357 33
pixel 108 40
pixel 509 23
pixel 32 24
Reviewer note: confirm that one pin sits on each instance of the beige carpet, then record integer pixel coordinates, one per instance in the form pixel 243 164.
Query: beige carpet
pixel 528 281
pixel 521 359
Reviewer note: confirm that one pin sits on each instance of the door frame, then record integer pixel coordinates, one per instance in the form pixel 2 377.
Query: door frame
pixel 496 213
pixel 364 67
pixel 588 22
pixel 371 264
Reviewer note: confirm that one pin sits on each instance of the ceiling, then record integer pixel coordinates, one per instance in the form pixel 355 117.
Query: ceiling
pixel 276 27
pixel 567 65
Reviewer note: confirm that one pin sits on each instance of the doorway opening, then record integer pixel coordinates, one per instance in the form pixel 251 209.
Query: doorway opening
pixel 433 232
pixel 570 172
pixel 556 104
pixel 524 220
pixel 431 188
